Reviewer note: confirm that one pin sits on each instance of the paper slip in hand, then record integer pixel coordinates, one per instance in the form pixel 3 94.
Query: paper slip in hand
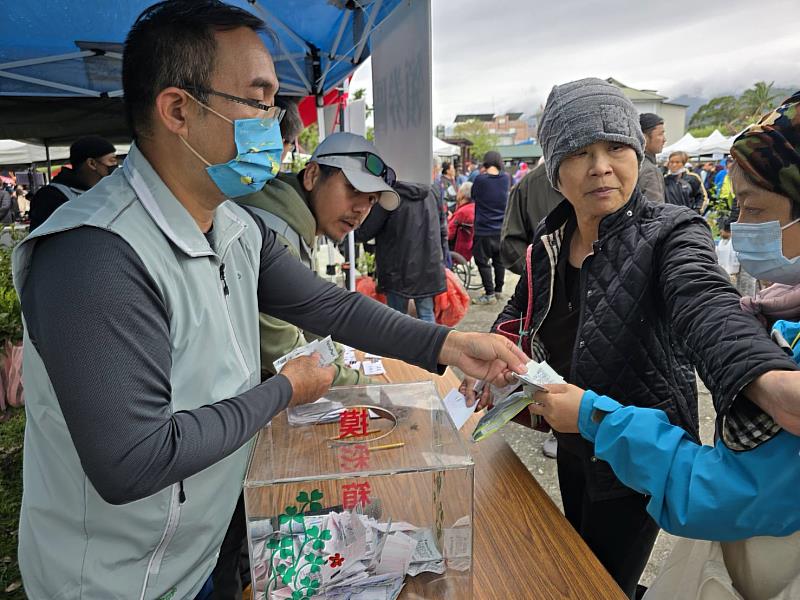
pixel 373 367
pixel 501 413
pixel 325 347
pixel 456 405
pixel 539 374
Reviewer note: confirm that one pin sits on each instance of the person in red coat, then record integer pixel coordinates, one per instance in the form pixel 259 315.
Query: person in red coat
pixel 460 227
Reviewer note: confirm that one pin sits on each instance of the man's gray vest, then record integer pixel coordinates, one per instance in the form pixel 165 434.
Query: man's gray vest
pixel 70 192
pixel 73 544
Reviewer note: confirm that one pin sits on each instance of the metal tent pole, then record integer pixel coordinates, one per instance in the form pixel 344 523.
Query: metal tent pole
pixel 49 166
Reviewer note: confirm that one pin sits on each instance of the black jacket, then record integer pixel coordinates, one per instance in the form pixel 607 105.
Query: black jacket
pixel 409 240
pixel 651 291
pixel 685 189
pixel 530 201
pixel 45 201
pixel 8 207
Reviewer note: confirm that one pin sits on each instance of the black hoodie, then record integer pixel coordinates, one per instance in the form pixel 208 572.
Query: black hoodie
pixel 45 202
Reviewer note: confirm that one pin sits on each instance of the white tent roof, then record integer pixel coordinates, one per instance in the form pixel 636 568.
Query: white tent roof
pixel 441 148
pixel 688 143
pixel 13 152
pixel 716 143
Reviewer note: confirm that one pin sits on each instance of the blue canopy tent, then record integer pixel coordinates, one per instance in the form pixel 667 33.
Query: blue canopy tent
pixel 61 60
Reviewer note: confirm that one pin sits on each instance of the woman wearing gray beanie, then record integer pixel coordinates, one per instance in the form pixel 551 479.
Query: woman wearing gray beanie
pixel 621 291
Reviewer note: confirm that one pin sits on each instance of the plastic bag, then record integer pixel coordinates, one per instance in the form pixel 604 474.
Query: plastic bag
pixel 366 285
pixel 11 376
pixel 451 305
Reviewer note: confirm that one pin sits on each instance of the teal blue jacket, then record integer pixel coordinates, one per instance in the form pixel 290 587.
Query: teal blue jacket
pixel 702 492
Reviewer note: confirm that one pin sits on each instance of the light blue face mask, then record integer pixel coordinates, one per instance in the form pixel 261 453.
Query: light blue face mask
pixel 759 246
pixel 259 147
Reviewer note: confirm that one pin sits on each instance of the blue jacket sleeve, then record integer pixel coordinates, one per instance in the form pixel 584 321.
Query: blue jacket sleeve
pixel 702 492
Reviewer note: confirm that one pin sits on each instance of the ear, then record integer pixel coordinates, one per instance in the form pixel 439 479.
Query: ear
pixel 91 163
pixel 311 175
pixel 172 106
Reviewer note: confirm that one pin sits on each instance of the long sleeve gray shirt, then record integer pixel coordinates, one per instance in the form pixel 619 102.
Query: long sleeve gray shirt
pixel 101 326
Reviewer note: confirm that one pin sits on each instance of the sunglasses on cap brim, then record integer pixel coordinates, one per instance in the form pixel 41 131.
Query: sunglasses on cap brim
pixel 372 163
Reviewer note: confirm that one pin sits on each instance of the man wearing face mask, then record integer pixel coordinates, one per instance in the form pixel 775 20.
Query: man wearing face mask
pixel 142 366
pixel 746 484
pixel 92 158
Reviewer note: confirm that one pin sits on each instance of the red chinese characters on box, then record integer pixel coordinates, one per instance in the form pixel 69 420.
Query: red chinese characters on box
pixel 355 494
pixel 353 422
pixel 354 457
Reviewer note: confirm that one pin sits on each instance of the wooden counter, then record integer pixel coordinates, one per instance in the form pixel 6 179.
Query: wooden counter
pixel 524 548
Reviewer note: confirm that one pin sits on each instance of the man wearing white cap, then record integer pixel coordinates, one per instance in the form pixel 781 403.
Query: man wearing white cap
pixel 331 196
pixel 343 180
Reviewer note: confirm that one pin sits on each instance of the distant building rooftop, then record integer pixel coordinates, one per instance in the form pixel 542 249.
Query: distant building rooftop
pixel 520 151
pixel 640 95
pixel 486 117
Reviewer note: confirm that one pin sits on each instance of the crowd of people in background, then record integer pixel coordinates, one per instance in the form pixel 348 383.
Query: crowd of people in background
pixel 702 185
pixel 655 301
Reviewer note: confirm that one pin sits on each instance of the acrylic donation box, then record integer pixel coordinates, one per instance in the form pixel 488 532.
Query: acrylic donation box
pixel 365 494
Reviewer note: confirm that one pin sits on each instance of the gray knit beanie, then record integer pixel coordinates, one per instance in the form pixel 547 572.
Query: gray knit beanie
pixel 581 113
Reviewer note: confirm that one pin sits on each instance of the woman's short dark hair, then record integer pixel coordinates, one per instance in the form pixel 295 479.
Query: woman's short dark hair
pixel 493 159
pixel 445 167
pixel 172 44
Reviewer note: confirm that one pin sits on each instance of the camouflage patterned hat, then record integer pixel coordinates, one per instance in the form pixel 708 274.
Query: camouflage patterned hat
pixel 770 150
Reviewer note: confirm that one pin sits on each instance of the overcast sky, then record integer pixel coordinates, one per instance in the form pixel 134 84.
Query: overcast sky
pixel 505 55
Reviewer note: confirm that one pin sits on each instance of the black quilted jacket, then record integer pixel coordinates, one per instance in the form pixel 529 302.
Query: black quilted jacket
pixel 652 286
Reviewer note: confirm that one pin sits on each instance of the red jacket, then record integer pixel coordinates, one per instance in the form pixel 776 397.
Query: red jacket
pixel 460 229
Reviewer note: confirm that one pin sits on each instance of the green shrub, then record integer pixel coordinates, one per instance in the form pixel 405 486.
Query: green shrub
pixel 12 430
pixel 10 312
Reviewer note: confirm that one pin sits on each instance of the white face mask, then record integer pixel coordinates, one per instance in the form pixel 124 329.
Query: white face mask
pixel 760 250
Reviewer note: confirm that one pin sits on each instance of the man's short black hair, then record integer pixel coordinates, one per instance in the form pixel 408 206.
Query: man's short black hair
pixel 292 123
pixel 172 44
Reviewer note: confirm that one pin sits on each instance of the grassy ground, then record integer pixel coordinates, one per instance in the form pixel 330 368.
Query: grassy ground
pixel 12 426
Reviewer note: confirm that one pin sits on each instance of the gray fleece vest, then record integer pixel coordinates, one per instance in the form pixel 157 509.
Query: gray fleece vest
pixel 73 544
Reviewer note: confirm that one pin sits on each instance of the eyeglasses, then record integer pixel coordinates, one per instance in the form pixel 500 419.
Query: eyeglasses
pixel 373 163
pixel 273 112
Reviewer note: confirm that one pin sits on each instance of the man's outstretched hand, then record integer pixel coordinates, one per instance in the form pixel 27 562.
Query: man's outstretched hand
pixel 486 356
pixel 309 380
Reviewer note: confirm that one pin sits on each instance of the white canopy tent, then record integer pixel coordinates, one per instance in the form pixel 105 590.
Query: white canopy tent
pixel 688 143
pixel 714 144
pixel 13 152
pixel 441 148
